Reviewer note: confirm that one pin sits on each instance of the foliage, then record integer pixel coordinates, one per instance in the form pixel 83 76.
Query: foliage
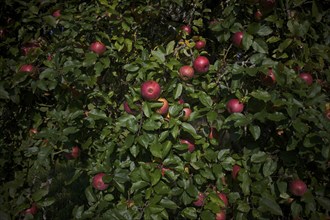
pixel 74 97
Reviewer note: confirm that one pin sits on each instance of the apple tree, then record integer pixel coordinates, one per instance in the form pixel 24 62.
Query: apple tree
pixel 195 109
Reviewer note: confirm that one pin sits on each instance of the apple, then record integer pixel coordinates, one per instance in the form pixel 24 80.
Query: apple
pixel 307 77
pixel 32 210
pixel 237 39
pixel 29 47
pixel 186 29
pixel 267 4
pixel 269 79
pixel 221 215
pixel 33 131
pixel 258 15
pixel 74 154
pixel 201 64
pixel 200 201
pixel 235 171
pixel 29 68
pixel 57 13
pixel 98 182
pixel 181 101
pixel 164 109
pixel 223 197
pixel 234 106
pixel 186 113
pixel 214 133
pixel 127 108
pixel 186 72
pixel 150 90
pixel 97 47
pixel 200 44
pixel 298 187
pixel 327 114
pixel 191 146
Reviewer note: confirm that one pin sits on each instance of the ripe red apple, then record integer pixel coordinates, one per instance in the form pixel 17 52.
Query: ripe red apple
pixel 164 109
pixel 327 114
pixel 201 64
pixel 32 210
pixel 150 90
pixel 74 154
pixel 57 13
pixel 223 197
pixel 235 171
pixel 191 146
pixel 200 44
pixel 186 72
pixel 258 15
pixel 200 201
pixel 221 215
pixel 186 29
pixel 307 77
pixel 98 182
pixel 97 47
pixel 237 39
pixel 181 101
pixel 234 106
pixel 186 113
pixel 298 187
pixel 27 68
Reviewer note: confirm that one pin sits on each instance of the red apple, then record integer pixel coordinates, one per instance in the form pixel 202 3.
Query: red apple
pixel 57 13
pixel 235 171
pixel 32 210
pixel 307 77
pixel 200 201
pixel 200 44
pixel 97 47
pixel 234 106
pixel 186 29
pixel 223 197
pixel 29 47
pixel 191 146
pixel 221 215
pixel 186 72
pixel 237 39
pixel 327 114
pixel 186 113
pixel 150 90
pixel 201 64
pixel 298 187
pixel 127 108
pixel 181 101
pixel 75 152
pixel 269 79
pixel 258 15
pixel 27 68
pixel 33 131
pixel 98 182
pixel 164 109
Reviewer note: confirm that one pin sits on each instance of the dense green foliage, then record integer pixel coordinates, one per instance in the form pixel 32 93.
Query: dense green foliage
pixel 74 97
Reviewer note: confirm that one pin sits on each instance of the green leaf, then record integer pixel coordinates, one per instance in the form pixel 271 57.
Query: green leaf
pixel 284 44
pixel 189 213
pixel 269 167
pixel 255 131
pixel 90 59
pixel 131 67
pixel 160 56
pixel 167 203
pixel 205 99
pixel 264 31
pixel 128 43
pixel 146 109
pixel 261 95
pixel 39 194
pixel 151 125
pixel 247 41
pixel 178 91
pixel 170 47
pixel 271 206
pixel 50 20
pixel 155 176
pixel 324 202
pixel 3 93
pixel 259 157
pixel 189 128
pixel 139 185
pixel 260 46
